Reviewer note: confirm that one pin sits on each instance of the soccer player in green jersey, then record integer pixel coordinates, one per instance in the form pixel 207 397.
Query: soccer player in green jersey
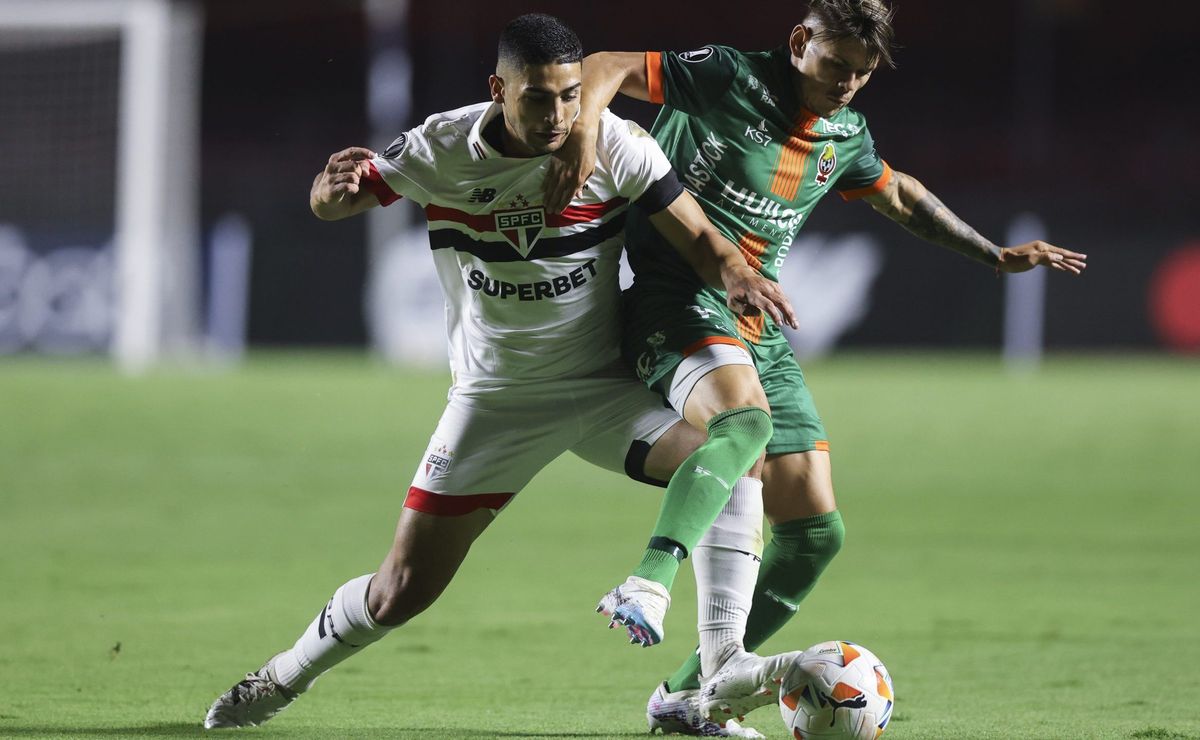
pixel 758 138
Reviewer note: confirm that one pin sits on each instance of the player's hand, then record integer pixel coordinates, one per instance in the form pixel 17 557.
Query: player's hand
pixel 748 293
pixel 343 173
pixel 1030 255
pixel 569 168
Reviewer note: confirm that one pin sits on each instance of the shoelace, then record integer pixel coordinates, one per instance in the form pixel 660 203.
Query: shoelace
pixel 254 686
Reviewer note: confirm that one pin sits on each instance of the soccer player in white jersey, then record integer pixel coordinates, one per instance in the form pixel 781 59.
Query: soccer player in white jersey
pixel 532 314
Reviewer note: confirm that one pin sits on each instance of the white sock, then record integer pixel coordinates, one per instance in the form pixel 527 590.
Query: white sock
pixel 342 628
pixel 725 563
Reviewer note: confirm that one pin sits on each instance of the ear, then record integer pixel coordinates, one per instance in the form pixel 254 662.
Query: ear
pixel 496 84
pixel 799 39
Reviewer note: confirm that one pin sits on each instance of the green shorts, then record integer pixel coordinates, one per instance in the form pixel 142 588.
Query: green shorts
pixel 664 328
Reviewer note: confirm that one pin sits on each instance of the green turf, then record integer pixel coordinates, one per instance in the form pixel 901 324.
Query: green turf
pixel 1022 551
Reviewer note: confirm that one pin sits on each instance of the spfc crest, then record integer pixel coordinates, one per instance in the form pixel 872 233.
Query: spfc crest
pixel 521 227
pixel 826 163
pixel 438 460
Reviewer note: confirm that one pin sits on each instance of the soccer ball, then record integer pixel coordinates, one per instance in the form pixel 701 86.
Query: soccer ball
pixel 836 691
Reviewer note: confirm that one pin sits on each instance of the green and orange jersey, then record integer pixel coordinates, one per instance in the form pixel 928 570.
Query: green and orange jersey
pixel 735 131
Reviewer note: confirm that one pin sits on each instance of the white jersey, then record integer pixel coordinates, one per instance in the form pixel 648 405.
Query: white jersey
pixel 530 296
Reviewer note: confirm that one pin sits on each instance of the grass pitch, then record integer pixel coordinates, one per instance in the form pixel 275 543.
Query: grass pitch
pixel 1022 552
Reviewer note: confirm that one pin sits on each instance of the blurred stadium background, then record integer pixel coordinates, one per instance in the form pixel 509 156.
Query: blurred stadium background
pixel 1066 118
pixel 155 161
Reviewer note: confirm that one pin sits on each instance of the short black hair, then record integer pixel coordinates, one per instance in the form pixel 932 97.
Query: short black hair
pixel 537 38
pixel 867 21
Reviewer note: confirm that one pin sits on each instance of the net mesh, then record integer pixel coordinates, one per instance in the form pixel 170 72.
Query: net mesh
pixel 58 154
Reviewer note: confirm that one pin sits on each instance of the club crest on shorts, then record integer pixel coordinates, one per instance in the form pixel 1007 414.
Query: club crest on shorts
pixel 826 163
pixel 520 224
pixel 437 462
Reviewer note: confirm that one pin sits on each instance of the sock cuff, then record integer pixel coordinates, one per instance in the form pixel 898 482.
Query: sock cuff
pixel 354 603
pixel 658 566
pixel 819 528
pixel 750 419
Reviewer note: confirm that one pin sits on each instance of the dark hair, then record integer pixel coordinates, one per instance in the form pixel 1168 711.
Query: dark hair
pixel 867 21
pixel 537 38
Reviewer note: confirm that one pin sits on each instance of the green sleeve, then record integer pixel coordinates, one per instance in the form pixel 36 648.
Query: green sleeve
pixel 865 169
pixel 695 81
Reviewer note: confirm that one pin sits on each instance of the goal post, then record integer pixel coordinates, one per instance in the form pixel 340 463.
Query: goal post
pixel 156 266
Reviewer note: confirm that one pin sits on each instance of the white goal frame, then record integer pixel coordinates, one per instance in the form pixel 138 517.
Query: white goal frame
pixel 156 240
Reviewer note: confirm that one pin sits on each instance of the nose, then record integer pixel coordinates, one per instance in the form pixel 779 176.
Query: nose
pixel 557 114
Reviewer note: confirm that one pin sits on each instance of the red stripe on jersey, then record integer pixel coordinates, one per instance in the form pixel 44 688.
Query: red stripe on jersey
pixel 583 214
pixel 486 222
pixel 440 504
pixel 377 186
pixel 875 187
pixel 477 222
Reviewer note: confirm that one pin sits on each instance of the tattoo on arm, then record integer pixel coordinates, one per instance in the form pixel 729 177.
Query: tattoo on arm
pixel 933 221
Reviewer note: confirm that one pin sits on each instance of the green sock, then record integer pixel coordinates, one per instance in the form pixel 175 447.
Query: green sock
pixel 701 487
pixel 792 562
pixel 658 565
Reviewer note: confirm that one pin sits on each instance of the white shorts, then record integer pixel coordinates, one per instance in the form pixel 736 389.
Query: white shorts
pixel 489 444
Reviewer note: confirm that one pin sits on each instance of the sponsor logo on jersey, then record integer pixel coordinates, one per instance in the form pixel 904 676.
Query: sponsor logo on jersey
pixel 395 147
pixel 754 204
pixel 758 134
pixel 698 55
pixel 839 129
pixel 826 163
pixel 480 282
pixel 699 172
pixel 482 195
pixel 520 224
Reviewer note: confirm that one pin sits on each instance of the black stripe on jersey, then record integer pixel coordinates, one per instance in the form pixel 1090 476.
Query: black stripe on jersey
pixel 661 194
pixel 501 251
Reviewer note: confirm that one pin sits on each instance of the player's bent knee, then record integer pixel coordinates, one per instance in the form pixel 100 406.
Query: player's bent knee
pixel 748 427
pixel 835 537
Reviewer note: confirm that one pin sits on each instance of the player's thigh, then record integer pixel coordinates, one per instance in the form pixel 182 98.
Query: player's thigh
pixel 626 428
pixel 797 485
pixel 687 348
pixel 722 387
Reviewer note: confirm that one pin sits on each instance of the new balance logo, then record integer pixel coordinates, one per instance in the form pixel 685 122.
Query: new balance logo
pixel 482 195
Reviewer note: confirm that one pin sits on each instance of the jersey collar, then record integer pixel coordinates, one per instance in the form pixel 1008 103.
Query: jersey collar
pixel 476 142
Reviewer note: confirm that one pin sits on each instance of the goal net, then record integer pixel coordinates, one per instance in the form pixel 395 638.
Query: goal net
pixel 98 200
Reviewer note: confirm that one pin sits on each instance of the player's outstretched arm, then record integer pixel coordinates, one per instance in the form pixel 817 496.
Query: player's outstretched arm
pixel 719 262
pixel 907 202
pixel 604 73
pixel 336 191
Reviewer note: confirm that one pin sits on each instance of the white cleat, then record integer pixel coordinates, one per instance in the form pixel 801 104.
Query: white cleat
pixel 640 606
pixel 743 683
pixel 252 701
pixel 678 713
